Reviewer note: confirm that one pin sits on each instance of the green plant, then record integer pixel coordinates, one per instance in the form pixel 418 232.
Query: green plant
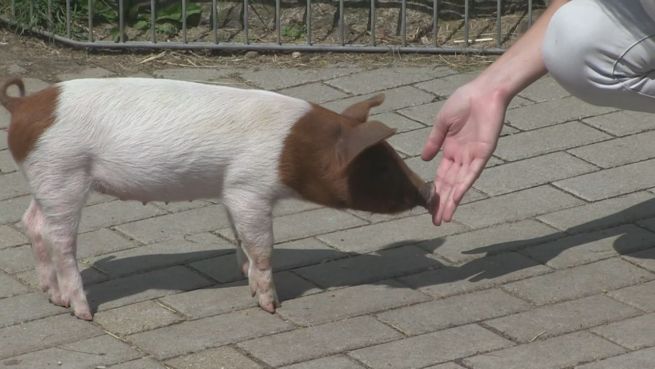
pixel 293 30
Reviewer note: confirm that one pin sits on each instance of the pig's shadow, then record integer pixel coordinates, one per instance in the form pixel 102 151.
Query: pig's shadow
pixel 332 268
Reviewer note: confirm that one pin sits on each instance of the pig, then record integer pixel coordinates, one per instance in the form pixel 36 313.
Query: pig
pixel 164 140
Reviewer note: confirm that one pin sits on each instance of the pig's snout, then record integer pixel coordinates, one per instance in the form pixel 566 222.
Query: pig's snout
pixel 428 196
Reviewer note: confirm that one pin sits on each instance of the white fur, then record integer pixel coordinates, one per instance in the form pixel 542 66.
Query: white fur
pixel 158 140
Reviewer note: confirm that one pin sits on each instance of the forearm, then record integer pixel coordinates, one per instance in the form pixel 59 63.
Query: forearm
pixel 522 63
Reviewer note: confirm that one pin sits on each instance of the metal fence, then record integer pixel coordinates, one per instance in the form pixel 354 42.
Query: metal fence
pixel 419 26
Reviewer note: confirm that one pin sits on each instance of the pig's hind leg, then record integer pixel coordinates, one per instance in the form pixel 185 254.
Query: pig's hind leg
pixel 33 223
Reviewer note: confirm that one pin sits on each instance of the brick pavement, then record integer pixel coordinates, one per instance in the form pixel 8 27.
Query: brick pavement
pixel 549 263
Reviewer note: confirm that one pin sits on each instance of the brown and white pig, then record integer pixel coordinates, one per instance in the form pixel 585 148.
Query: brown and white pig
pixel 162 140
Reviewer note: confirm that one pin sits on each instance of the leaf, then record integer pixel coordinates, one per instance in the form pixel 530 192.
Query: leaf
pixel 142 24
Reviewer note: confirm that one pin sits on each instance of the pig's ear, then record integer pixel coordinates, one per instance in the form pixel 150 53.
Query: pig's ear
pixel 357 139
pixel 359 111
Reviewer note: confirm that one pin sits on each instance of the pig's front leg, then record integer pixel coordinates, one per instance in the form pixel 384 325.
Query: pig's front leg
pixel 252 219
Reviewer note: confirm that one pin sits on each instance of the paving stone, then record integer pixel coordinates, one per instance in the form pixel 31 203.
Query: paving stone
pixel 308 223
pixel 89 276
pixel 390 234
pixel 425 113
pixel 113 213
pixel 330 362
pixel 93 72
pixel 12 210
pixel 33 85
pixel 603 214
pixel 156 256
pixel 515 206
pixel 292 206
pixel 9 286
pixel 208 332
pixel 12 185
pixel 10 237
pixel 546 140
pixel 7 164
pixel 136 318
pixel 97 352
pixel 432 348
pixel 531 172
pixel 622 123
pixel 347 302
pixel 278 78
pixel 544 89
pixel 618 151
pixel 578 282
pixel 382 79
pixel 553 112
pixel 176 226
pixel 144 363
pixel 632 360
pixel 428 169
pixel 446 366
pixel 314 92
pixel 140 287
pixel 223 357
pixel 565 317
pixel 489 241
pixel 410 143
pixel 554 353
pixel 642 296
pixel 16 259
pixel 397 98
pixel 193 74
pixel 615 181
pixel 317 341
pixel 369 267
pixel 378 218
pixel 445 313
pixel 178 206
pixel 102 241
pixel 588 247
pixel 5 118
pixel 21 308
pixel 397 121
pixel 635 333
pixel 56 330
pixel 447 85
pixel 475 275
pixel 3 139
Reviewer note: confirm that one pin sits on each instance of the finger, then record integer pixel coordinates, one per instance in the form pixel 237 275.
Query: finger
pixel 434 141
pixel 448 183
pixel 442 171
pixel 469 175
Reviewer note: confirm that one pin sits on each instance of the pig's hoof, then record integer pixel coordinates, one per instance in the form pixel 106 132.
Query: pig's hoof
pixel 84 314
pixel 57 299
pixel 269 301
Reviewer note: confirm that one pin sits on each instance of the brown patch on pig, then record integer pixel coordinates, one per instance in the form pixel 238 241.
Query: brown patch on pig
pixel 30 117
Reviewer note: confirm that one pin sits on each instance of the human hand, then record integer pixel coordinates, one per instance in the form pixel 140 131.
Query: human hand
pixel 466 130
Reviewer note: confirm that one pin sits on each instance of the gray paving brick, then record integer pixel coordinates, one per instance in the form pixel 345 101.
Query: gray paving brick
pixel 178 206
pixel 384 235
pixel 277 78
pixel 140 287
pixel 3 139
pixel 618 151
pixel 514 206
pixel 176 226
pixel 91 72
pixel 317 341
pixel 11 237
pixel 330 362
pixel 397 121
pixel 428 169
pixel 632 360
pixel 12 185
pixel 635 333
pixel 602 214
pixel 488 241
pixel 144 363
pixel 223 357
pixel 56 330
pixel 9 286
pixel 531 172
pixel 7 164
pixel 642 296
pixel 425 113
pixel 622 123
pixel 612 182
pixel 97 352
pixel 369 267
pixel 565 317
pixel 156 256
pixel 208 332
pixel 546 140
pixel 315 92
pixel 347 302
pixel 12 210
pixel 582 281
pixel 378 218
pixel 410 143
pixel 396 98
pixel 102 241
pixel 30 306
pixel 587 247
pixel 544 89
pixel 554 353
pixel 447 85
pixel 291 206
pixel 446 366
pixel 552 112
pixel 89 276
pixel 193 74
pixel 308 223
pixel 452 311
pixel 381 79
pixel 431 348
pixel 475 275
pixel 116 212
pixel 5 118
pixel 136 318
pixel 16 259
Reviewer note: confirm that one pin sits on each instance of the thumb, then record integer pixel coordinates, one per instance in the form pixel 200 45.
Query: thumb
pixel 434 142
